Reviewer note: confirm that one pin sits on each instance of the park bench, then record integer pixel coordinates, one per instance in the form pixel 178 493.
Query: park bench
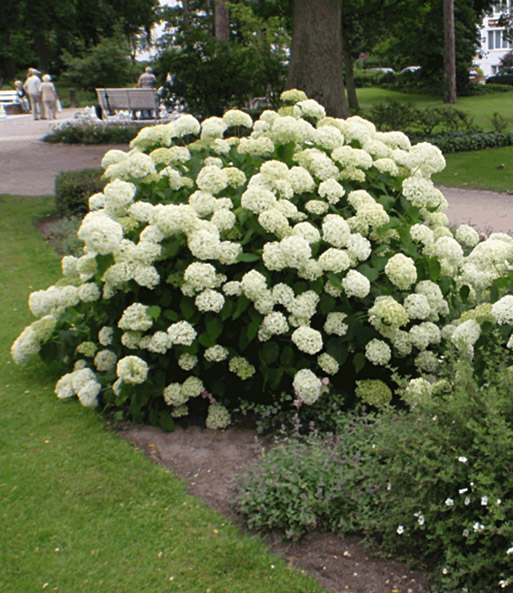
pixel 9 103
pixel 132 100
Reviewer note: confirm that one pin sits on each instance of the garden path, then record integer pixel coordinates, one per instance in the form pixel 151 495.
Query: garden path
pixel 29 168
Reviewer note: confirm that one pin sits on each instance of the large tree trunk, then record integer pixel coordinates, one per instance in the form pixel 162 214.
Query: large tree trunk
pixel 186 14
pixel 347 60
pixel 42 51
pixel 449 53
pixel 222 23
pixel 316 54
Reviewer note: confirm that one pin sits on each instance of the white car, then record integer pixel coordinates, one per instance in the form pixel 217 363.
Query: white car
pixel 391 70
pixel 410 69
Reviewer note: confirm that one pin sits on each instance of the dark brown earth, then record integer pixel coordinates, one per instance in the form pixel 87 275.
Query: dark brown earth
pixel 209 461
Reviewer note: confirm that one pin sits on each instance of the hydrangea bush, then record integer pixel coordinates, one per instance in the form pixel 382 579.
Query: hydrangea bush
pixel 277 260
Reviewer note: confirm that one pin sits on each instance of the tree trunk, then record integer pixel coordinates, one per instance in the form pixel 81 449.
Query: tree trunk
pixel 316 54
pixel 222 23
pixel 186 14
pixel 449 53
pixel 347 60
pixel 42 51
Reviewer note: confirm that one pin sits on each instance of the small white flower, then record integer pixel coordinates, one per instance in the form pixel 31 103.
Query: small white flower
pixel 467 500
pixel 449 502
pixel 462 490
pixel 465 533
pixel 400 530
pixel 484 500
pixel 462 459
pixel 477 527
pixel 444 571
pixel 509 551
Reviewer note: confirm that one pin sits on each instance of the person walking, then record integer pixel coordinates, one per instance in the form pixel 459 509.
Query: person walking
pixel 49 96
pixel 32 87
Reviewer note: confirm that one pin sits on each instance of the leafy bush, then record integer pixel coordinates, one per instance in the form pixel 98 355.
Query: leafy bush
pixel 88 131
pixel 63 235
pixel 407 117
pixel 73 189
pixel 294 261
pixel 108 64
pixel 434 483
pixel 366 78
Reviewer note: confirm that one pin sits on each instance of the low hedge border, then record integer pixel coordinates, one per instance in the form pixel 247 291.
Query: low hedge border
pixel 460 141
pixel 74 188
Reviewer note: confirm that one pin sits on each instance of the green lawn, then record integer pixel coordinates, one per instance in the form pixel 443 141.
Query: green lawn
pixel 481 108
pixel 479 169
pixel 81 510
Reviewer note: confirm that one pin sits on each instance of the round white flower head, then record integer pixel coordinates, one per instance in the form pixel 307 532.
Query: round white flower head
pixel 182 333
pixel 401 271
pixel 209 300
pixel 307 386
pixel 200 276
pixel 212 179
pixel 307 340
pixel 316 207
pixel 218 417
pixel 417 306
pixel 258 199
pixel 100 233
pixel 359 247
pixel 502 310
pixel 213 127
pixel 467 235
pixel 334 323
pixel 356 284
pixel 466 335
pixel 173 395
pixel 387 314
pixel 334 260
pixel 328 364
pixel 295 251
pixel 291 96
pixel 331 190
pixel 105 360
pixel 88 292
pixel 105 335
pixel 184 125
pixel 424 334
pixel 187 361
pixel 274 222
pixel 205 244
pixel 118 196
pixel 378 352
pixel 216 353
pixel 235 117
pixel 112 157
pixel 335 230
pixel 275 323
pixel 422 233
pixel 132 369
pixel 416 391
pixel 309 108
pixel 241 367
pixel 135 318
pixel 426 159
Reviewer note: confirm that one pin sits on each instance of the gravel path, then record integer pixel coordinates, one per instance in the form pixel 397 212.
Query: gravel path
pixel 28 167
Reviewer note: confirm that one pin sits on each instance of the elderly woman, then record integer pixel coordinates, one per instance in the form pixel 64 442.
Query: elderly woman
pixel 49 96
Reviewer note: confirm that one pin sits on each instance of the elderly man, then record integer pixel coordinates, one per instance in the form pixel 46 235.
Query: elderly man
pixel 147 79
pixel 32 87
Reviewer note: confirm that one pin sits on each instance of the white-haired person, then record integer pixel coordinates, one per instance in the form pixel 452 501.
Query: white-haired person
pixel 50 97
pixel 32 87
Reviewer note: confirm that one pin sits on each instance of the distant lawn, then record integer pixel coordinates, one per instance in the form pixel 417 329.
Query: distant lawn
pixel 81 511
pixel 478 169
pixel 481 108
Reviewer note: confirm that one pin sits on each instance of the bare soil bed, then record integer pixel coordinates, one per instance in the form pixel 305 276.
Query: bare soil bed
pixel 209 461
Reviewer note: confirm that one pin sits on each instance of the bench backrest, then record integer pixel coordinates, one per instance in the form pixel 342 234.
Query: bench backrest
pixel 112 99
pixel 7 96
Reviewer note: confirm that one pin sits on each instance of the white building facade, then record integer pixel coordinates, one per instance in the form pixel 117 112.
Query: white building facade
pixel 493 43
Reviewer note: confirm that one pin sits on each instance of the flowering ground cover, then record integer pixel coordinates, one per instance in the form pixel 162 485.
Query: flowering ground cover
pixel 81 510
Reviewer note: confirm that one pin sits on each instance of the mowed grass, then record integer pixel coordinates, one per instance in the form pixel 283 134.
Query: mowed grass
pixel 81 510
pixel 480 169
pixel 481 107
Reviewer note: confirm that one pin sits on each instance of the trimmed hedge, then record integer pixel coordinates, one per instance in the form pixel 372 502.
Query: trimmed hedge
pixel 458 141
pixel 94 134
pixel 74 188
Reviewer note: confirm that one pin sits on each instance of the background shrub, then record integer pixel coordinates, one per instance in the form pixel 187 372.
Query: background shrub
pixel 87 132
pixel 74 188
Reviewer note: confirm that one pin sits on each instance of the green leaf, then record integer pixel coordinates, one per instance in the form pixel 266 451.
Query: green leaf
pixel 171 315
pixel 326 304
pixel 187 308
pixel 287 357
pixel 205 340
pixel 370 273
pixel 252 329
pixel 227 310
pixel 214 327
pixel 242 305
pixel 334 279
pixel 276 376
pixel 166 421
pixel 154 312
pixel 434 269
pixel 270 352
pixel 248 257
pixel 359 361
pixel 464 292
pixel 338 349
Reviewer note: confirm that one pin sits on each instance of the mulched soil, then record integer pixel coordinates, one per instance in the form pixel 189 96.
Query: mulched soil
pixel 209 462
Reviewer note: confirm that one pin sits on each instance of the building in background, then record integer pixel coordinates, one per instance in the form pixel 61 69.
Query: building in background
pixel 494 45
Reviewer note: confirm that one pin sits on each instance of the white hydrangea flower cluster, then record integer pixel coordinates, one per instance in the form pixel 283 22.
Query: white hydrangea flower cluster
pixel 279 237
